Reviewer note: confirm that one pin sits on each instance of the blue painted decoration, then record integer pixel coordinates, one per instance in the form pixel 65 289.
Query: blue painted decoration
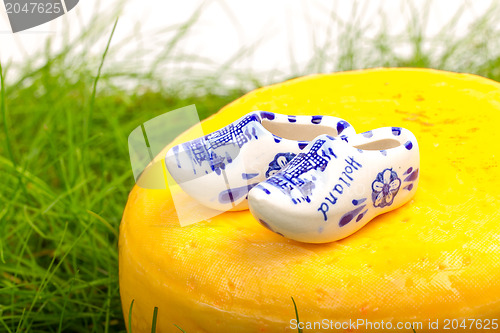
pixel 204 148
pixel 278 163
pixel 358 201
pixel 249 175
pixel 176 153
pixel 349 216
pixel 367 134
pixel 408 187
pixel 412 177
pixel 385 187
pixel 360 216
pixel 396 131
pixel 316 119
pixel 303 144
pixel 263 189
pixel 341 126
pixel 289 178
pixel 408 145
pixel 267 115
pixel 233 194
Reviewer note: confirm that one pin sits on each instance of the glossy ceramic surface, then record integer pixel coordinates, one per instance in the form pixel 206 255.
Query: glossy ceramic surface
pixel 220 168
pixel 337 185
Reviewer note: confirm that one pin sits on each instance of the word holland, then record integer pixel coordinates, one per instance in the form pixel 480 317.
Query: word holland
pixel 344 180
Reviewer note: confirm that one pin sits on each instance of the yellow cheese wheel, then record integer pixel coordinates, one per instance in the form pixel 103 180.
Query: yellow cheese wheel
pixel 433 260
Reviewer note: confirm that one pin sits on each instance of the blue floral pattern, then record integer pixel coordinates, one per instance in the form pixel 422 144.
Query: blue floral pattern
pixel 279 162
pixel 385 187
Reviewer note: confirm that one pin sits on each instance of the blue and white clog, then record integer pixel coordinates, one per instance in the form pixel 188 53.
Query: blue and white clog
pixel 220 168
pixel 336 186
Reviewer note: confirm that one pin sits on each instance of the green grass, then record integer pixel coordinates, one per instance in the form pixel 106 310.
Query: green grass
pixel 64 164
pixel 65 179
pixel 299 330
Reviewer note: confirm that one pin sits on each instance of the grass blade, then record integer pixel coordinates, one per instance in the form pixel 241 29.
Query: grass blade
pixel 64 305
pixel 296 315
pixel 180 329
pixel 130 316
pixel 155 314
pixel 96 80
pixel 3 110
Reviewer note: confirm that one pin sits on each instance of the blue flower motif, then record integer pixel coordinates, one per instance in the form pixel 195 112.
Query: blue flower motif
pixel 279 162
pixel 385 187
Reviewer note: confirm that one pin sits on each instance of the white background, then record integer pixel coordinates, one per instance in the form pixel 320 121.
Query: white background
pixel 280 33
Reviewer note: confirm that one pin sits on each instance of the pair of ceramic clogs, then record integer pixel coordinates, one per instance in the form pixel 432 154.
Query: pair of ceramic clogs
pixel 307 178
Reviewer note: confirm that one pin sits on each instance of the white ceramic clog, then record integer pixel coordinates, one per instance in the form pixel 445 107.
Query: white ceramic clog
pixel 334 187
pixel 220 168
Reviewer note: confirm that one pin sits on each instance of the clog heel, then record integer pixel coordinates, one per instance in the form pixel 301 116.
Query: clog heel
pixel 220 168
pixel 336 186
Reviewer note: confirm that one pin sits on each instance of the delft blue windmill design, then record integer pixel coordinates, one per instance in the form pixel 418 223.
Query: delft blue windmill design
pixel 290 178
pixel 204 149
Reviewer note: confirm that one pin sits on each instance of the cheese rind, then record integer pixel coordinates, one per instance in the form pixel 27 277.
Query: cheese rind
pixel 436 257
